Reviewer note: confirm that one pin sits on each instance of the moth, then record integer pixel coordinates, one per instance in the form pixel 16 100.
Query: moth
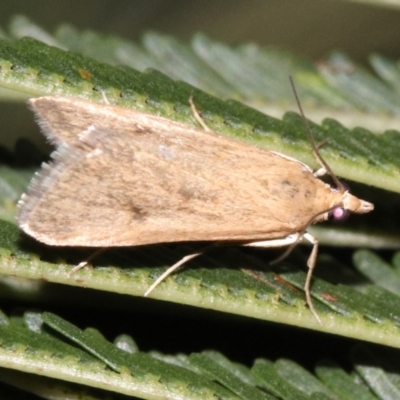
pixel 121 177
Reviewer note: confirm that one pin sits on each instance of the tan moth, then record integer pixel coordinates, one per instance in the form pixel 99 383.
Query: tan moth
pixel 120 177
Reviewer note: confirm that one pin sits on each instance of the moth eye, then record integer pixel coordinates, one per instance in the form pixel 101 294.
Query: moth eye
pixel 339 214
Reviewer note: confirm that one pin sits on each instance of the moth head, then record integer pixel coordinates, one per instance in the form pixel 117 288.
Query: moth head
pixel 345 204
pixel 356 205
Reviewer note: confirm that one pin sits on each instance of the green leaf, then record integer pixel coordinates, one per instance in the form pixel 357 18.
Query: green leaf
pixel 44 348
pixel 138 374
pixel 251 290
pixel 341 383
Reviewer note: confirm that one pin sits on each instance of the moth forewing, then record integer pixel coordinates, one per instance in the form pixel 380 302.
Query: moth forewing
pixel 121 177
pixel 129 183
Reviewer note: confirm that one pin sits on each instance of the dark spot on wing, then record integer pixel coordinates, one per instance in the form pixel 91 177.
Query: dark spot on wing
pixel 289 189
pixel 139 214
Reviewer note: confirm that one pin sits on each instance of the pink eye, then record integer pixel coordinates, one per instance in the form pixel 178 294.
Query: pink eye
pixel 339 214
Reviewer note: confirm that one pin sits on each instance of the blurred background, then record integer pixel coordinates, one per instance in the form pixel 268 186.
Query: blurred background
pixel 308 27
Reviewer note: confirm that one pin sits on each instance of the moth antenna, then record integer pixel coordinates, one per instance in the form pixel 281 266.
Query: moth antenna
pixel 313 144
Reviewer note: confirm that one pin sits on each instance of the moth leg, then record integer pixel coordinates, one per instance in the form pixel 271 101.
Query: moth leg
pixel 266 243
pixel 198 116
pixel 174 267
pixel 103 95
pixel 87 261
pixel 292 240
pixel 320 172
pixel 311 265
